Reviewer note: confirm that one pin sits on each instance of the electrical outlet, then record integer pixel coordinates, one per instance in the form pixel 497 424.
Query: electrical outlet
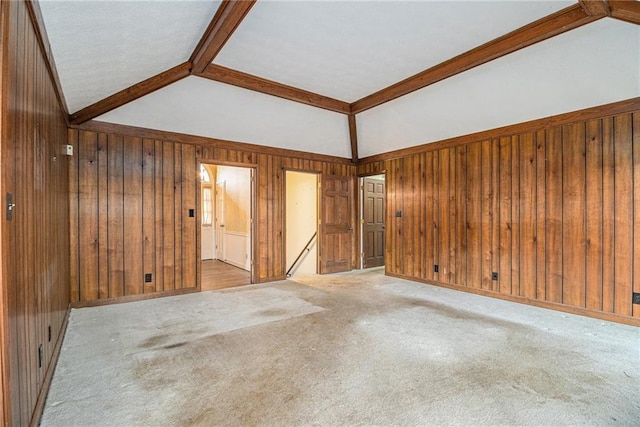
pixel 636 297
pixel 435 268
pixel 147 278
pixel 494 276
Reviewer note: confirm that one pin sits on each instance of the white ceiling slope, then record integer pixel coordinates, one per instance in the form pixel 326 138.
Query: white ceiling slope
pixel 350 49
pixel 102 47
pixel 198 106
pixel 590 66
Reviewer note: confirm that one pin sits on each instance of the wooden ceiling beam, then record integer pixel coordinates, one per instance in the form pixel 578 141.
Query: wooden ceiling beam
pixel 131 93
pixel 228 17
pixel 625 10
pixel 542 29
pixel 258 84
pixel 595 7
pixel 353 135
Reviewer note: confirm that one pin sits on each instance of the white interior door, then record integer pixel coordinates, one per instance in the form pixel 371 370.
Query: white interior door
pixel 219 219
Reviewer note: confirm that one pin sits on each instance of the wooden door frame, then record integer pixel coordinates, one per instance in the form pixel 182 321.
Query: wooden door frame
pixel 284 214
pixel 252 222
pixel 360 228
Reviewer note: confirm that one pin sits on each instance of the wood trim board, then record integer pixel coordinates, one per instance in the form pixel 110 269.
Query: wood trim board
pixel 625 10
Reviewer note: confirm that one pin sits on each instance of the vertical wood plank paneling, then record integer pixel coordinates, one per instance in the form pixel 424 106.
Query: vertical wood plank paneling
pixel 409 190
pixel 573 215
pixel 74 229
pixel 453 216
pixel 593 215
pixel 36 267
pixel 504 275
pixel 608 215
pixel 189 225
pixel 429 219
pixel 436 215
pixel 443 213
pixel 158 176
pixel 461 221
pixel 554 215
pixel 133 217
pixel 495 213
pixel 623 267
pixel 527 219
pixel 541 216
pixel 636 209
pixel 515 215
pixel 177 216
pixel 149 215
pixel 419 206
pixel 485 213
pixel 101 210
pixel 88 221
pixel 474 215
pixel 115 216
pixel 168 220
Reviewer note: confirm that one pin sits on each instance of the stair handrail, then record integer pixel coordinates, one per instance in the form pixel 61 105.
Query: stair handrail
pixel 306 248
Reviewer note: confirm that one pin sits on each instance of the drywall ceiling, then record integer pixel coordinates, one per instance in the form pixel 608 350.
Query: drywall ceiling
pixel 340 49
pixel 102 47
pixel 198 106
pixel 593 65
pixel 350 49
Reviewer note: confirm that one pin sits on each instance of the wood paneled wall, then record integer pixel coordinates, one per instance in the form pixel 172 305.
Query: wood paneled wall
pixel 35 242
pixel 130 216
pixel 554 212
pixel 130 182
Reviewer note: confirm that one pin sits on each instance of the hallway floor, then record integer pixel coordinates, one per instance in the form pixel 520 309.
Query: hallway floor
pixel 346 349
pixel 220 275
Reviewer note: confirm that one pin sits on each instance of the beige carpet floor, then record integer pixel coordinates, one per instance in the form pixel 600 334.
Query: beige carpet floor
pixel 346 349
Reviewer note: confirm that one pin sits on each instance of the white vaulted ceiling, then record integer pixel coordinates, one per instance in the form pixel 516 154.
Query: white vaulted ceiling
pixel 350 49
pixel 340 49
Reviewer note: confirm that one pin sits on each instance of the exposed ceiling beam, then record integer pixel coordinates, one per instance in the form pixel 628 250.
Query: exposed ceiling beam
pixel 131 93
pixel 228 17
pixel 542 29
pixel 258 84
pixel 625 10
pixel 595 7
pixel 33 7
pixel 353 134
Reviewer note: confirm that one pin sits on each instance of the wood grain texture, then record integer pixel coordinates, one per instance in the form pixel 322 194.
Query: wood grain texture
pixel 625 10
pixel 222 148
pixel 162 177
pixel 228 17
pixel 542 29
pixel 595 7
pixel 553 211
pixel 131 93
pixel 34 270
pixel 258 84
pixel 353 137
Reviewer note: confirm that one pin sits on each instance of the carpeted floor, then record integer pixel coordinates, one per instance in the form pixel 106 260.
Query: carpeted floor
pixel 346 349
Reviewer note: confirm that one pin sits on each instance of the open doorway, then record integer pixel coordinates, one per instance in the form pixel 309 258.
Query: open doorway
pixel 372 220
pixel 226 238
pixel 301 218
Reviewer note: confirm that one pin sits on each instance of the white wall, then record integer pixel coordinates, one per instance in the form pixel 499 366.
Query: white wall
pixel 301 220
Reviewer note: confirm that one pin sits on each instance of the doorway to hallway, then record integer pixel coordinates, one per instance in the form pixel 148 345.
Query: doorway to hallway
pixel 372 220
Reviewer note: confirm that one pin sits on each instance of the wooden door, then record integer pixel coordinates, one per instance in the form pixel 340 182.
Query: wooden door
pixel 336 229
pixel 373 222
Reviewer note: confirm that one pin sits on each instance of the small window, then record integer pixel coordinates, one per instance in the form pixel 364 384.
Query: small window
pixel 204 174
pixel 207 206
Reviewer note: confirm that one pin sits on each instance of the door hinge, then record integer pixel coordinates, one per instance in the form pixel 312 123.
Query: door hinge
pixel 361 254
pixel 362 221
